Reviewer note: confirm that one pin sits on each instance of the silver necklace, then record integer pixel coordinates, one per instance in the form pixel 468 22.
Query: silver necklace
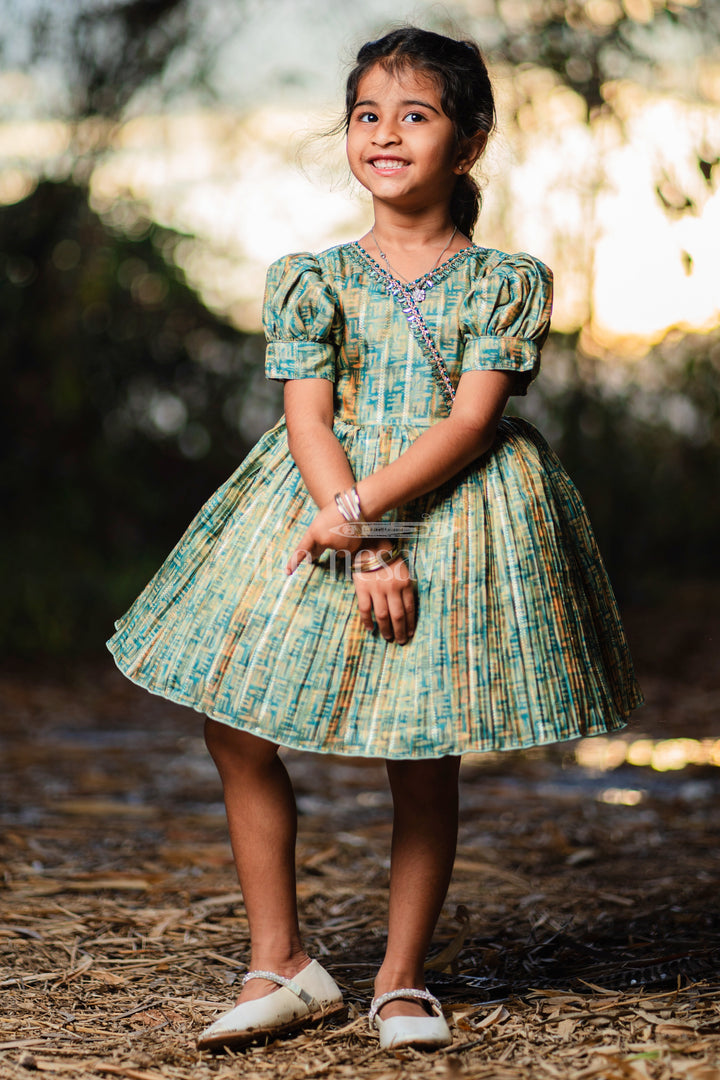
pixel 425 281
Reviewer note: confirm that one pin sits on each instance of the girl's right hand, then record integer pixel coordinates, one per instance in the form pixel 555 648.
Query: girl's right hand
pixel 389 596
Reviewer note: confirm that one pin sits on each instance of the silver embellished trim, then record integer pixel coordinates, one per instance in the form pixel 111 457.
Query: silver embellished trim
pixel 408 993
pixel 419 291
pixel 415 320
pixel 272 976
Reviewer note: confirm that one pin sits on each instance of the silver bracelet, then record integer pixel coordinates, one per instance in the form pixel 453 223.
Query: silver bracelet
pixel 348 503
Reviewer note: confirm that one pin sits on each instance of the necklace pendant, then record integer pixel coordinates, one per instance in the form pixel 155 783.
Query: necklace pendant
pixel 418 294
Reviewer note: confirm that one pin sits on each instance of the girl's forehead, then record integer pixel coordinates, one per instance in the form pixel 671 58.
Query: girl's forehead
pixel 401 84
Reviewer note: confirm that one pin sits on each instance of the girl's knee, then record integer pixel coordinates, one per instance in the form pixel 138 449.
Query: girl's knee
pixel 230 747
pixel 425 777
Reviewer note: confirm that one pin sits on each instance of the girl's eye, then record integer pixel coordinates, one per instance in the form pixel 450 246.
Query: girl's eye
pixel 366 117
pixel 414 117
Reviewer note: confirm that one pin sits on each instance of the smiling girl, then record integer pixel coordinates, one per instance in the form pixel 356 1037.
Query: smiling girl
pixel 476 613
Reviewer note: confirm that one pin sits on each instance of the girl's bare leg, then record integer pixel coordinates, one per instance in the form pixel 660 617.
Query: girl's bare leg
pixel 262 818
pixel 425 799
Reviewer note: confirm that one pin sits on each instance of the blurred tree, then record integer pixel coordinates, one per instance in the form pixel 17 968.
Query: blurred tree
pixel 646 457
pixel 120 47
pixel 127 393
pixel 106 51
pixel 123 415
pixel 591 42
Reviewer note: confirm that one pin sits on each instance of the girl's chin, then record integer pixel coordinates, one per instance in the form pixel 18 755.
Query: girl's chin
pixel 388 185
pixel 384 179
pixel 378 188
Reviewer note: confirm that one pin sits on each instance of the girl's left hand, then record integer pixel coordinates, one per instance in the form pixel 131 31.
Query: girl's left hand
pixel 321 536
pixel 389 596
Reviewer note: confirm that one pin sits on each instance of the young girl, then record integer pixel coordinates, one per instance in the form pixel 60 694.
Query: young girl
pixel 476 613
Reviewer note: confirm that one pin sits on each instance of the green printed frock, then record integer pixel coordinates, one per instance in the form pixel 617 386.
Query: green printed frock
pixel 518 639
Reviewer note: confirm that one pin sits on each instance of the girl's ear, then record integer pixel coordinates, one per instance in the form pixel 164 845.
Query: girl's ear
pixel 470 152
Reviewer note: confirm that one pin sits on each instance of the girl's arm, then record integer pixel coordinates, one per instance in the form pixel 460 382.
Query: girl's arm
pixel 435 456
pixel 445 448
pixel 320 457
pixel 313 445
pixel 386 596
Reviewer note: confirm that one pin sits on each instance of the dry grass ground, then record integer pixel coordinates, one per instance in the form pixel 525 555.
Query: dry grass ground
pixel 581 937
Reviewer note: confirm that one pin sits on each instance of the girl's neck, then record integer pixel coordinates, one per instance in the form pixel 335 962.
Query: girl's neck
pixel 414 234
pixel 411 245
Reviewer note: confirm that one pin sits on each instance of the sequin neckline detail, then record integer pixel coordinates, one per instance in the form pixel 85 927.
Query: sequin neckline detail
pixel 438 274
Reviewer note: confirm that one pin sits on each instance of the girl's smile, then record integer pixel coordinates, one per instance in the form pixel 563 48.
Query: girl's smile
pixel 401 145
pixel 383 164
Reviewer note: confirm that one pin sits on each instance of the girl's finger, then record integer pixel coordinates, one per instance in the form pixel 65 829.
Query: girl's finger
pixel 396 610
pixel 382 617
pixel 408 596
pixel 365 608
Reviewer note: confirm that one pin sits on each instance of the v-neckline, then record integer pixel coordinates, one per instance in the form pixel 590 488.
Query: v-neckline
pixel 438 274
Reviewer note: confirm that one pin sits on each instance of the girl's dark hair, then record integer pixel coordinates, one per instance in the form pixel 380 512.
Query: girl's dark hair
pixel 459 71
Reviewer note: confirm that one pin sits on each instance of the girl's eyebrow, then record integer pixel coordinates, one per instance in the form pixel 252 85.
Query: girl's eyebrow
pixel 404 104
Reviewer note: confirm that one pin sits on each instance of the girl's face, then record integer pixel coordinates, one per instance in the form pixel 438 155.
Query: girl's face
pixel 401 146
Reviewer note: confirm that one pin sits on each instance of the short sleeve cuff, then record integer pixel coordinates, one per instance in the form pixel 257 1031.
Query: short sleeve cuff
pixel 300 360
pixel 501 353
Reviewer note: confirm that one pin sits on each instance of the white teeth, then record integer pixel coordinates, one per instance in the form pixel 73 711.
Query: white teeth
pixel 391 163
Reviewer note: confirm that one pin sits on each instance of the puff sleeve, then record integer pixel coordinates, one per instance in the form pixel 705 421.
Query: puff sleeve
pixel 299 316
pixel 505 318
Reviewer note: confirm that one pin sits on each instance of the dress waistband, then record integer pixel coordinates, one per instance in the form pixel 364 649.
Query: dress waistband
pixel 352 425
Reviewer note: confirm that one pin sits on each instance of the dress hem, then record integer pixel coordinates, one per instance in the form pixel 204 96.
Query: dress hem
pixel 480 747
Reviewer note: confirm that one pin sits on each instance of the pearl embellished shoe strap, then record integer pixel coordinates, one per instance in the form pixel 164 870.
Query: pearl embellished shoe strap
pixel 408 993
pixel 272 976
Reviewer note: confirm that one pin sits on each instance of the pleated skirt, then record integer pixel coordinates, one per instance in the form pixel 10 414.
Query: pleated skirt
pixel 518 639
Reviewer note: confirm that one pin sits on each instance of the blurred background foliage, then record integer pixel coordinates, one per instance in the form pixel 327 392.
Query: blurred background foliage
pixel 130 400
pixel 126 409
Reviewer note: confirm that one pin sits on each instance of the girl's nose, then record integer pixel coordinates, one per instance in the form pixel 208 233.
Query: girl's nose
pixel 385 134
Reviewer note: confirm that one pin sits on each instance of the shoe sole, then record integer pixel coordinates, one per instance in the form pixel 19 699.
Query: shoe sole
pixel 230 1039
pixel 417 1044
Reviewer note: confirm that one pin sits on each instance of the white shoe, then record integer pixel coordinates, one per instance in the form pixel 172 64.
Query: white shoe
pixel 311 996
pixel 425 1032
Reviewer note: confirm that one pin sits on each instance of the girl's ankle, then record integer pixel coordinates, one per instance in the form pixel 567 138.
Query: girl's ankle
pixel 281 963
pixel 398 979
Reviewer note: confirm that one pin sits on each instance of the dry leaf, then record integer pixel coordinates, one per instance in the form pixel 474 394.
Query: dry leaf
pixel 497 1016
pixel 666 1028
